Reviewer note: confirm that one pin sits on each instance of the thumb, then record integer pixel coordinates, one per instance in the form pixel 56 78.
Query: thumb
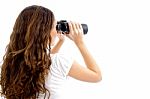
pixel 69 36
pixel 59 32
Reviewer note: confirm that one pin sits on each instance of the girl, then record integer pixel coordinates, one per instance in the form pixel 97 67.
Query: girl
pixel 31 69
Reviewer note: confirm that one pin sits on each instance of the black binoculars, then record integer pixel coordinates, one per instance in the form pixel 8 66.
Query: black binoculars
pixel 63 27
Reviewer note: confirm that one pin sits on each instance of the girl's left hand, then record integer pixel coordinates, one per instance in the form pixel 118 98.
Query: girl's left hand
pixel 61 36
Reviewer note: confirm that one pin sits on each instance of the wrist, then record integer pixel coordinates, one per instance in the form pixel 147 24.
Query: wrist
pixel 61 40
pixel 79 43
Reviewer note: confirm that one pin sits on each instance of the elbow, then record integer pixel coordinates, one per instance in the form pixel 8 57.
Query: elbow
pixel 98 78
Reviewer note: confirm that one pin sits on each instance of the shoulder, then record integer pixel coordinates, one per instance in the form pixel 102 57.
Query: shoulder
pixel 62 62
pixel 61 57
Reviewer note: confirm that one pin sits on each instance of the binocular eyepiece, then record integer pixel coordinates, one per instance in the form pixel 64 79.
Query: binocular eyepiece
pixel 63 27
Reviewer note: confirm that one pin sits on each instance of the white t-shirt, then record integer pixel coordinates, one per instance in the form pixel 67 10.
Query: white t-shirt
pixel 57 76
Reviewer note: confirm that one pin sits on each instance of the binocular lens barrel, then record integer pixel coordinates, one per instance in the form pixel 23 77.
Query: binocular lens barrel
pixel 64 27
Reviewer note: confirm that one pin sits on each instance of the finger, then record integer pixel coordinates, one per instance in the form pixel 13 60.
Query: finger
pixel 77 30
pixel 74 27
pixel 80 26
pixel 81 29
pixel 70 27
pixel 69 36
pixel 59 32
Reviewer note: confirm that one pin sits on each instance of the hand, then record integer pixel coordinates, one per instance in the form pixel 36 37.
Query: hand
pixel 75 32
pixel 61 36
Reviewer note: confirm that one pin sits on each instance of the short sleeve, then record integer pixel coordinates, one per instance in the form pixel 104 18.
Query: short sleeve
pixel 63 63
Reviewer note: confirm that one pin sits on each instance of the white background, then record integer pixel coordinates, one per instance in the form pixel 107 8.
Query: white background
pixel 118 38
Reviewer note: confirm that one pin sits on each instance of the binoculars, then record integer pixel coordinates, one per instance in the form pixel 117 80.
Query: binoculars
pixel 62 26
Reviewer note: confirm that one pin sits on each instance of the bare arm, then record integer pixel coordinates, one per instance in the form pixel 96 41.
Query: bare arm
pixel 90 74
pixel 57 47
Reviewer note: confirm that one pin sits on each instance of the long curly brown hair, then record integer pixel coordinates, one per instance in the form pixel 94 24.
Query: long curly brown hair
pixel 27 60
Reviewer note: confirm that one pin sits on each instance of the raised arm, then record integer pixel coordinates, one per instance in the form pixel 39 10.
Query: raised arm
pixel 60 42
pixel 90 74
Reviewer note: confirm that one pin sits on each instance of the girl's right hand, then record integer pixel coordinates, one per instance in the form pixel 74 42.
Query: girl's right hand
pixel 75 32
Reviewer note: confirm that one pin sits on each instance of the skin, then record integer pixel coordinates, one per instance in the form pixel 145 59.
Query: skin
pixel 90 73
pixel 59 43
pixel 61 40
